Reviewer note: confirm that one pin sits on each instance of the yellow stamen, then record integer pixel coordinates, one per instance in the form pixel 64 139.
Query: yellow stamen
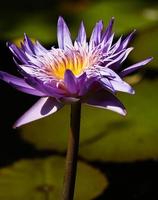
pixel 76 64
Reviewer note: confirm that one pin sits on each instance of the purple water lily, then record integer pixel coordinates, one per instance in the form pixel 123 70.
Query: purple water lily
pixel 90 72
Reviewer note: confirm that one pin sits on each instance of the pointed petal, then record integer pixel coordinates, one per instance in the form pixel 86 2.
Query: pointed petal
pixel 28 45
pixel 53 90
pixel 81 38
pixel 63 34
pixel 106 100
pixel 8 78
pixel 120 59
pixel 116 83
pixel 39 49
pixel 45 88
pixel 18 53
pixel 122 86
pixel 107 46
pixel 106 83
pixel 82 85
pixel 31 91
pixel 19 84
pixel 116 46
pixel 70 82
pixel 112 75
pixel 106 35
pixel 134 67
pixel 42 108
pixel 96 34
pixel 126 41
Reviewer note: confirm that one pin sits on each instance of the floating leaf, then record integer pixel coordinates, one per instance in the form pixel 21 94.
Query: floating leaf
pixel 49 133
pixel 105 135
pixel 42 179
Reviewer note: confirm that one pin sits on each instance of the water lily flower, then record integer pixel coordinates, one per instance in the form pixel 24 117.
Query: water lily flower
pixel 90 72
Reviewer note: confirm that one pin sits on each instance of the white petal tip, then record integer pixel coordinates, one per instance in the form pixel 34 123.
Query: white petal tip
pixel 118 110
pixel 124 113
pixel 113 18
pixel 150 59
pixel 42 108
pixel 60 18
pixel 16 125
pixel 132 91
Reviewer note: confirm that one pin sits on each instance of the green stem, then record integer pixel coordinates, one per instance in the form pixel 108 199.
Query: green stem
pixel 72 152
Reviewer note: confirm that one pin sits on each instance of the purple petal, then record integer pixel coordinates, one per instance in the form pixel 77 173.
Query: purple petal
pixel 31 91
pixel 107 34
pixel 126 41
pixel 33 81
pixel 70 82
pixel 96 35
pixel 39 49
pixel 19 84
pixel 81 38
pixel 108 44
pixel 110 74
pixel 82 85
pixel 44 87
pixel 13 79
pixel 122 86
pixel 28 45
pixel 49 89
pixel 134 67
pixel 106 83
pixel 116 83
pixel 42 108
pixel 18 53
pixel 106 100
pixel 63 34
pixel 116 46
pixel 53 90
pixel 116 62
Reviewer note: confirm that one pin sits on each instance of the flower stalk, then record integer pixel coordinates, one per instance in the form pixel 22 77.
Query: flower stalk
pixel 72 152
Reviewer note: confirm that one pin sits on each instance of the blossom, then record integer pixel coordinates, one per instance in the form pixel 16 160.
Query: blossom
pixel 90 72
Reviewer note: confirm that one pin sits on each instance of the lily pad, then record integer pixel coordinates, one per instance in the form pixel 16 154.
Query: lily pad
pixel 42 179
pixel 105 135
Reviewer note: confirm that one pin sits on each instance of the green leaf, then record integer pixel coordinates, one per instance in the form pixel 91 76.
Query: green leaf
pixel 49 133
pixel 105 135
pixel 42 179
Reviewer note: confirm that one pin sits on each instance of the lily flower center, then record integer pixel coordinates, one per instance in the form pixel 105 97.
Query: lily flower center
pixel 75 61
